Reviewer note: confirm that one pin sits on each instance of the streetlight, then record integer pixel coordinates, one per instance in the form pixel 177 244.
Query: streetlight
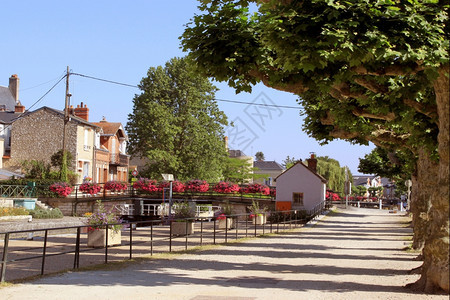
pixel 169 178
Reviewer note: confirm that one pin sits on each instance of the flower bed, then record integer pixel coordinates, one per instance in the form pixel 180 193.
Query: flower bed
pixel 90 188
pixel 147 185
pixel 63 189
pixel 115 186
pixel 196 185
pixel 256 188
pixel 225 187
pixel 177 186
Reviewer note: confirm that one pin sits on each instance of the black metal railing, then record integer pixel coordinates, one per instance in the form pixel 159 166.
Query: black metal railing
pixel 154 234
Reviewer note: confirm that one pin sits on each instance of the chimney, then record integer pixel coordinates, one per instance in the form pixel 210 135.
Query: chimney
pixel 19 109
pixel 82 111
pixel 14 86
pixel 312 162
pixel 225 139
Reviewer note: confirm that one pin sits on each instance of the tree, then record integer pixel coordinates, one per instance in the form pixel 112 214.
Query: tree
pixel 365 70
pixel 259 156
pixel 240 171
pixel 176 123
pixel 397 165
pixel 331 170
pixel 359 190
pixel 35 169
pixel 289 162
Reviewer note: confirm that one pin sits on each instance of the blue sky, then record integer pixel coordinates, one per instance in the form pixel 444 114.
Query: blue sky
pixel 119 41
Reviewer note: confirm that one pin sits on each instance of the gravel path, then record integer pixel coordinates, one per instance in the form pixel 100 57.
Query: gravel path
pixel 349 254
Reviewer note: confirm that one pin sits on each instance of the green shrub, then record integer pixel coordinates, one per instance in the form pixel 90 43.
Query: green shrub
pixel 39 213
pixel 13 211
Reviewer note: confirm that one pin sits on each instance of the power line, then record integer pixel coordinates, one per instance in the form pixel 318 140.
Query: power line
pixel 46 93
pixel 39 100
pixel 258 104
pixel 104 80
pixel 221 100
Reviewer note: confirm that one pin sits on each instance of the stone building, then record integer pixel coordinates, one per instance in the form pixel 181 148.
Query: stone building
pixel 39 134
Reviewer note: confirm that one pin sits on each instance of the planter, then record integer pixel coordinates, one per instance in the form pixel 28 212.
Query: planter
pixel 97 238
pixel 259 219
pixel 179 228
pixel 227 223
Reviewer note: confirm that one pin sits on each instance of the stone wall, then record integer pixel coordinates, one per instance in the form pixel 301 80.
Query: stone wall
pixel 39 135
pixel 6 202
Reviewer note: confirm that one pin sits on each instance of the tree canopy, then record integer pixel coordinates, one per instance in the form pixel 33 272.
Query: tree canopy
pixel 396 165
pixel 260 156
pixel 332 171
pixel 176 123
pixel 364 70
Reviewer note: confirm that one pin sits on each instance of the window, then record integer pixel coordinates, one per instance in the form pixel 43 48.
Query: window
pixel 97 140
pixel 86 169
pixel 297 198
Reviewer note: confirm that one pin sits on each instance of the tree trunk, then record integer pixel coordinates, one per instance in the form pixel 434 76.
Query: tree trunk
pixel 435 269
pixel 423 188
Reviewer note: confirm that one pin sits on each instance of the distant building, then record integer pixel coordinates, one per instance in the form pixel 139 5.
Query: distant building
pixel 39 134
pixel 110 152
pixel 270 168
pixel 300 187
pixel 369 181
pixel 10 110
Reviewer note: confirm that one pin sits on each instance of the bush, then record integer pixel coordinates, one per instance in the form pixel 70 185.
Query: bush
pixel 39 213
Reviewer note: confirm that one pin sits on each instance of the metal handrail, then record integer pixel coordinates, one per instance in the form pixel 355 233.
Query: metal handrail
pixel 290 218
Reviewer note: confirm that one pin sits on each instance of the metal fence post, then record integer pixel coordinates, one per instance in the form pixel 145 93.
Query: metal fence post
pixel 186 243
pixel 76 260
pixel 214 231
pixel 4 258
pixel 151 238
pixel 106 246
pixel 45 250
pixel 170 236
pixel 131 241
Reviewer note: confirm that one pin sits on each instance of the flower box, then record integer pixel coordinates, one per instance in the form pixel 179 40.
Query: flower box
pixel 259 219
pixel 180 228
pixel 97 238
pixel 227 223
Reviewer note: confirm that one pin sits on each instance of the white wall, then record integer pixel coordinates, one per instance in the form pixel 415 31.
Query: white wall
pixel 299 179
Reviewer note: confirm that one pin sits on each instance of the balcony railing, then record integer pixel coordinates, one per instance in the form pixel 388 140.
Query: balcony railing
pixel 118 159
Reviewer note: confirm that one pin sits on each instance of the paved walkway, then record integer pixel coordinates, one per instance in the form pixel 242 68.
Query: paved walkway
pixel 350 254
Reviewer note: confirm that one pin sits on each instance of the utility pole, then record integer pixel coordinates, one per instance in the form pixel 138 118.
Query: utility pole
pixel 63 172
pixel 347 187
pixel 66 110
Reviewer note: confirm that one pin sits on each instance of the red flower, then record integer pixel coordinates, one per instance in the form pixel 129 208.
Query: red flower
pixel 226 187
pixel 221 217
pixel 197 186
pixel 61 188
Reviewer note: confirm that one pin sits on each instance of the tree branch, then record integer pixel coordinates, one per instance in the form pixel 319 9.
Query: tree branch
pixel 428 110
pixel 363 113
pixel 297 88
pixel 393 70
pixel 371 85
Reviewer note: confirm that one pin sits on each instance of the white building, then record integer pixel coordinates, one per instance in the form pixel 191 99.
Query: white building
pixel 300 187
